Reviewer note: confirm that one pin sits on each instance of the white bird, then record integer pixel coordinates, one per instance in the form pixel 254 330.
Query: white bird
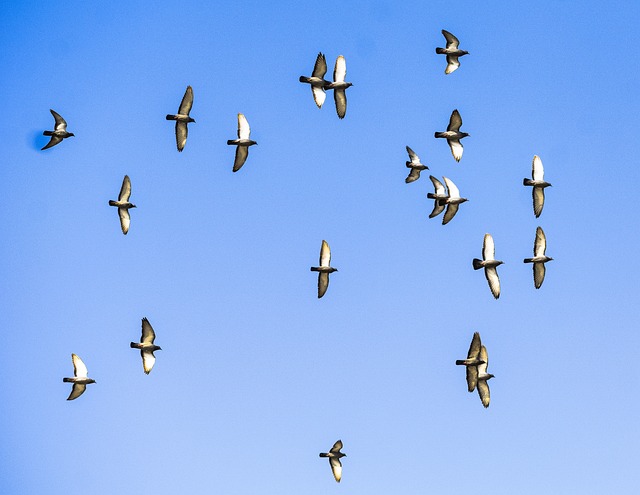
pixel 334 456
pixel 317 80
pixel 80 378
pixel 59 133
pixel 453 200
pixel 146 346
pixel 182 118
pixel 451 51
pixel 415 166
pixel 483 378
pixel 124 205
pixel 489 263
pixel 472 362
pixel 324 269
pixel 439 197
pixel 538 183
pixel 339 86
pixel 453 135
pixel 243 142
pixel 539 258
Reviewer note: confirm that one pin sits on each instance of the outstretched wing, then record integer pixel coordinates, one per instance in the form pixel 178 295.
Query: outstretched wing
pixel 452 64
pixel 494 282
pixel 336 468
pixel 320 67
pixel 537 170
pixel 340 70
pixel 340 98
pixel 483 392
pixel 450 213
pixel 452 41
pixel 325 254
pixel 244 131
pixel 79 368
pixel 61 124
pixel 76 391
pixel 148 335
pixel 455 121
pixel 242 152
pixel 323 283
pixel 488 248
pixel 187 102
pixel 125 190
pixel 125 219
pixel 148 360
pixel 538 200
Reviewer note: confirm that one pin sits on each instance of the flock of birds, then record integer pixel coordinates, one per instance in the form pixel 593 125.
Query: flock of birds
pixel 445 196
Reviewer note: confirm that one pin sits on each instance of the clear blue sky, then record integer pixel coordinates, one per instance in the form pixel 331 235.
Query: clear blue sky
pixel 257 375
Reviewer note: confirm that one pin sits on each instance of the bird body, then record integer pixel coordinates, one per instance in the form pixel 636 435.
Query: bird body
pixel 317 81
pixel 324 269
pixel 339 86
pixel 538 183
pixel 243 142
pixel 539 258
pixel 334 456
pixel 451 51
pixel 80 378
pixel 124 205
pixel 182 118
pixel 59 133
pixel 415 166
pixel 489 263
pixel 147 346
pixel 453 135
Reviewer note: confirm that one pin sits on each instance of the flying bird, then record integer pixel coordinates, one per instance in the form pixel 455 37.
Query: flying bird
pixel 415 166
pixel 243 142
pixel 489 263
pixel 539 258
pixel 451 51
pixel 439 196
pixel 452 200
pixel 472 362
pixel 334 456
pixel 182 118
pixel 538 183
pixel 146 346
pixel 59 133
pixel 483 378
pixel 80 379
pixel 453 135
pixel 123 204
pixel 317 80
pixel 324 269
pixel 339 86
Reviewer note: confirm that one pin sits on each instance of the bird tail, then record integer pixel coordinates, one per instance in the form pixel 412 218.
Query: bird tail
pixel 315 269
pixel 477 264
pixel 527 182
pixel 439 134
pixel 304 79
pixel 323 454
pixel 67 380
pixel 230 141
pixel 440 51
pixel 134 345
pixel 47 133
pixel 171 117
pixel 528 260
pixel 112 203
pixel 431 196
pixel 459 361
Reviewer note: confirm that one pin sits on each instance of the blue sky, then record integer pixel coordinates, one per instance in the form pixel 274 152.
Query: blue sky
pixel 257 376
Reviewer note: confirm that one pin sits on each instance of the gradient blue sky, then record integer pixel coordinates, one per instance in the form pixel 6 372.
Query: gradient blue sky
pixel 257 375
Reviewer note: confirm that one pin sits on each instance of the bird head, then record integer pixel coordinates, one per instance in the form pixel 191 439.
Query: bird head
pixel 192 120
pixel 71 134
pixel 489 376
pixel 133 206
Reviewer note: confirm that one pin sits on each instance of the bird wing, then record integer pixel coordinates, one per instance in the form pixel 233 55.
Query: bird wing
pixel 455 121
pixel 488 248
pixel 452 41
pixel 452 64
pixel 244 131
pixel 52 142
pixel 537 170
pixel 125 190
pixel 483 392
pixel 539 271
pixel 414 175
pixel 148 360
pixel 450 213
pixel 540 244
pixel 451 187
pixel 437 209
pixel 494 282
pixel 336 467
pixel 77 390
pixel 242 152
pixel 61 124
pixel 474 348
pixel 438 185
pixel 336 447
pixel 323 283
pixel 187 102
pixel 125 219
pixel 79 368
pixel 340 97
pixel 319 95
pixel 340 69
pixel 325 254
pixel 538 200
pixel 182 132
pixel 413 157
pixel 456 148
pixel 320 67
pixel 148 335
pixel 472 377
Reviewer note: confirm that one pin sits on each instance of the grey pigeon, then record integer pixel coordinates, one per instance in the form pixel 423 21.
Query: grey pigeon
pixel 453 135
pixel 538 183
pixel 489 263
pixel 334 456
pixel 439 196
pixel 472 362
pixel 243 142
pixel 451 51
pixel 182 118
pixel 483 378
pixel 59 133
pixel 415 166
pixel 539 258
pixel 324 269
pixel 452 200
pixel 80 379
pixel 123 204
pixel 339 86
pixel 146 346
pixel 317 80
